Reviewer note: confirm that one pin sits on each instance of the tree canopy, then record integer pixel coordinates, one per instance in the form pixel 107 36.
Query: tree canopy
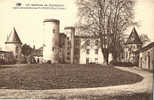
pixel 107 20
pixel 26 50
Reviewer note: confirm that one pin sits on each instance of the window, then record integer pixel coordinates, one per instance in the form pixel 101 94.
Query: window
pixel 126 54
pixel 76 52
pixel 68 53
pixel 54 31
pixel 122 55
pixel 145 58
pixel 68 58
pixel 138 46
pixel 96 60
pixel 96 42
pixel 87 51
pixel 53 49
pixel 88 42
pixel 148 53
pixel 77 42
pixel 17 49
pixel 96 51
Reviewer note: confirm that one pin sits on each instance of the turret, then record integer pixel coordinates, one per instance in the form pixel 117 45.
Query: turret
pixel 51 40
pixel 13 43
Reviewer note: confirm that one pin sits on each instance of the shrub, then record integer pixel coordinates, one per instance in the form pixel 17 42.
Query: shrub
pixel 126 64
pixel 49 62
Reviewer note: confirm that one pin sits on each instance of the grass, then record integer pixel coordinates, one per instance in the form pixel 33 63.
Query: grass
pixel 60 76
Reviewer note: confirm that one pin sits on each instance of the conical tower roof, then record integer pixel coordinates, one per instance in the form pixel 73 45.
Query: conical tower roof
pixel 134 38
pixel 13 37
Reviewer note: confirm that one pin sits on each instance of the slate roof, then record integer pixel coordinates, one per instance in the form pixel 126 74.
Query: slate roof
pixel 134 38
pixel 13 37
pixel 70 27
pixel 151 45
pixel 2 52
pixel 51 20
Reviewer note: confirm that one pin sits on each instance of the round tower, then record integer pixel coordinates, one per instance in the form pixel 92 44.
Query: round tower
pixel 70 33
pixel 13 44
pixel 51 40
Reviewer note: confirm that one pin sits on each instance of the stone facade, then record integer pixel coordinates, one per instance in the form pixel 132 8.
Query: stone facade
pixel 90 51
pixel 77 43
pixel 146 57
pixel 69 46
pixel 51 41
pixel 13 44
pixel 59 47
pixel 70 33
pixel 62 48
pixel 133 44
pixel 66 53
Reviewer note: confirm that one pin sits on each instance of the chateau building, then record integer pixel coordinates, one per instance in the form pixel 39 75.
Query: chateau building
pixel 146 57
pixel 59 47
pixel 90 51
pixel 12 51
pixel 67 47
pixel 71 49
pixel 133 44
pixel 13 44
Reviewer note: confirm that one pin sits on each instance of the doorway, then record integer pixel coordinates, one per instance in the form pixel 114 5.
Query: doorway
pixel 149 60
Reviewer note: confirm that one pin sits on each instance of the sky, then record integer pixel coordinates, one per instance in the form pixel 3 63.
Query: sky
pixel 29 22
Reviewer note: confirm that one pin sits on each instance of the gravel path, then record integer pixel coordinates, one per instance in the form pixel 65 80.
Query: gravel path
pixel 145 86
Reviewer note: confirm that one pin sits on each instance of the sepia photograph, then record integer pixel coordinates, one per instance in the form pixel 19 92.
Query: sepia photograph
pixel 76 49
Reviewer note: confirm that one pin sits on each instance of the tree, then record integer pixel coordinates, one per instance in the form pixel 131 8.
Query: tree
pixel 26 50
pixel 107 20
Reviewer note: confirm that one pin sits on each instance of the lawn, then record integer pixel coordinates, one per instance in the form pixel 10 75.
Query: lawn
pixel 60 76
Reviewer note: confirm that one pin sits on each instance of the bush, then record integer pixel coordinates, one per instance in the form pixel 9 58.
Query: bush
pixel 126 64
pixel 21 60
pixel 49 62
pixel 2 61
pixel 31 60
